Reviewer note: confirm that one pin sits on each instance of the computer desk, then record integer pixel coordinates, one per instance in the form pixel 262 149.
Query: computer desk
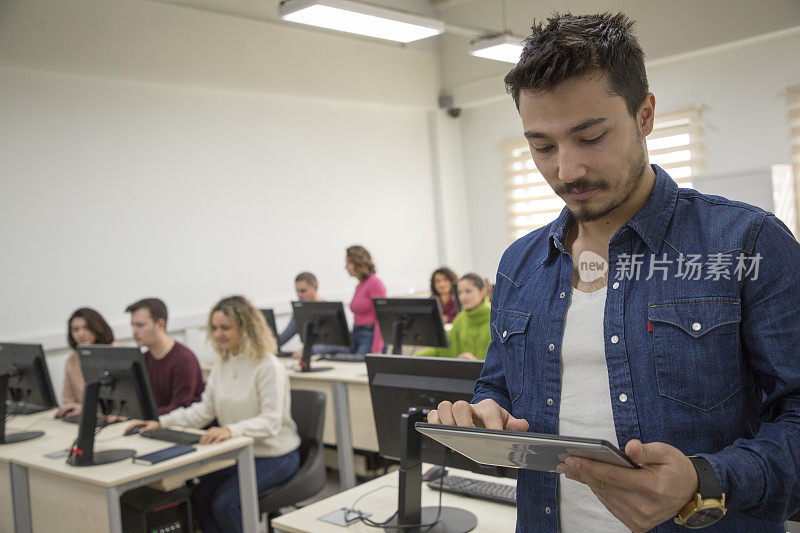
pixel 349 422
pixel 382 503
pixel 50 495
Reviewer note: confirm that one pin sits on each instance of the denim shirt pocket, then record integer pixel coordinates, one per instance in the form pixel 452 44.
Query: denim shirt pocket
pixel 696 349
pixel 511 327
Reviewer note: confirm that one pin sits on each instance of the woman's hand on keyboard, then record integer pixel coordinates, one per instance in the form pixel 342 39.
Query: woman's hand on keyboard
pixel 145 425
pixel 215 434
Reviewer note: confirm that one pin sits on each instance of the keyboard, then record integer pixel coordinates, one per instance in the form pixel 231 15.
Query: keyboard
pixel 21 408
pixel 485 490
pixel 172 435
pixel 343 357
pixel 76 419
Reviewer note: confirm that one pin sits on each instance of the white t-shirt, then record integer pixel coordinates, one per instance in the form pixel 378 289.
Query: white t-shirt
pixel 585 407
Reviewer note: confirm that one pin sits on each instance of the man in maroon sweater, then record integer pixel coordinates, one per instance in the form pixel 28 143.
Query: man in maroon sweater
pixel 173 369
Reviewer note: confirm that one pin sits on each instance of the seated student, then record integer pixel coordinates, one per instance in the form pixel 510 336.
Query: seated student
pixel 85 326
pixel 470 336
pixel 305 285
pixel 366 333
pixel 173 369
pixel 248 393
pixel 443 287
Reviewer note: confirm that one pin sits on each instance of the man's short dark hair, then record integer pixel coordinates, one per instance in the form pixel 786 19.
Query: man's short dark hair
pixel 307 277
pixel 156 306
pixel 568 46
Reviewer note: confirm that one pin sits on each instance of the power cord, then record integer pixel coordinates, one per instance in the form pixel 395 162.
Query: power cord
pixel 371 523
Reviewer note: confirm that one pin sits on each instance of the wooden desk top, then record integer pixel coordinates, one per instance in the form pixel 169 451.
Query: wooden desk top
pixel 492 517
pixel 355 373
pixel 60 435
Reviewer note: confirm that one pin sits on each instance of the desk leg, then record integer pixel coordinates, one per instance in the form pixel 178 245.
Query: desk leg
pixel 344 440
pixel 248 495
pixel 20 498
pixel 114 510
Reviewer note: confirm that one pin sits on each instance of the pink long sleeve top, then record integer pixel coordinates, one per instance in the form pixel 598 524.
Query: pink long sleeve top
pixel 364 311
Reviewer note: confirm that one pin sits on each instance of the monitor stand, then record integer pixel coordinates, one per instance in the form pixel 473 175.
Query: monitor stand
pixel 410 512
pixel 13 437
pixel 82 453
pixel 309 339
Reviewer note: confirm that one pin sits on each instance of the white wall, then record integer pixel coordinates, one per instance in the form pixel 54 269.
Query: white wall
pixel 149 149
pixel 745 117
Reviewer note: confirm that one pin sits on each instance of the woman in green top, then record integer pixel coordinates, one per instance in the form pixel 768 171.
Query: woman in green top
pixel 470 336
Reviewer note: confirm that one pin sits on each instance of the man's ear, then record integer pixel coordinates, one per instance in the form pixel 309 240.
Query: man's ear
pixel 646 115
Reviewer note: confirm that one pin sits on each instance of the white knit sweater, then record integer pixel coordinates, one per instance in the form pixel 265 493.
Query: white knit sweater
pixel 250 399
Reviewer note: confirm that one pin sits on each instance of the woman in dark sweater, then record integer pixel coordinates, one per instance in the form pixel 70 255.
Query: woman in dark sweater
pixel 443 287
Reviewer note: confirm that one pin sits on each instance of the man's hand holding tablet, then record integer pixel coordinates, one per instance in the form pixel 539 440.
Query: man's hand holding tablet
pixel 485 414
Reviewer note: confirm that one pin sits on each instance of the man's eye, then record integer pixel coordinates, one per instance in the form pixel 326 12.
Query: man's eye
pixel 544 149
pixel 595 140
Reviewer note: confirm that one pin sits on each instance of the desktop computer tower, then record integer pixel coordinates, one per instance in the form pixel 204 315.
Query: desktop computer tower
pixel 147 510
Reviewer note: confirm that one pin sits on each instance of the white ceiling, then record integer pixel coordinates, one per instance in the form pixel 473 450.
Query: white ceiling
pixel 665 28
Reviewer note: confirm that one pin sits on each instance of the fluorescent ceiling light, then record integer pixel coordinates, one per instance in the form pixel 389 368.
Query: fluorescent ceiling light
pixel 504 47
pixel 361 19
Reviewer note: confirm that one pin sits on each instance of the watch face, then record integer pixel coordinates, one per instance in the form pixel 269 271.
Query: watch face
pixel 705 517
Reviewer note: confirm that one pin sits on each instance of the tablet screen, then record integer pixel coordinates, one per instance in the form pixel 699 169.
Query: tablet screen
pixel 530 451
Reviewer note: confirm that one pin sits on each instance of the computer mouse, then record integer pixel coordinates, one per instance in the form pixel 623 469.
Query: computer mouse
pixel 434 473
pixel 133 431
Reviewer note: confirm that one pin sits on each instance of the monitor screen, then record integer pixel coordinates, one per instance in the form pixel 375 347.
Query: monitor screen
pixel 327 322
pixel 414 321
pixel 31 383
pixel 128 394
pixel 400 382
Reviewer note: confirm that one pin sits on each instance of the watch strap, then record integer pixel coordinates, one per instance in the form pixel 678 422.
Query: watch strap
pixel 707 482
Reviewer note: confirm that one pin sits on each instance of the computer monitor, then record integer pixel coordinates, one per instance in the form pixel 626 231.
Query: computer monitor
pixel 320 323
pixel 25 386
pixel 269 316
pixel 116 385
pixel 416 321
pixel 403 390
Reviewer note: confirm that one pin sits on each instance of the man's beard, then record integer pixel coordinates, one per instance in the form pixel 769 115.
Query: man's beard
pixel 629 186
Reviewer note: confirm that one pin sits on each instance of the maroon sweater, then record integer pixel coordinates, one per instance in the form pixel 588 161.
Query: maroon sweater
pixel 176 379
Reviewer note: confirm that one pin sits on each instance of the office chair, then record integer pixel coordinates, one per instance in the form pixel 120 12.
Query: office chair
pixel 308 412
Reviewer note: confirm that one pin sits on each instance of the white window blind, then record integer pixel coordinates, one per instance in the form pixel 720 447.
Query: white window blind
pixel 675 144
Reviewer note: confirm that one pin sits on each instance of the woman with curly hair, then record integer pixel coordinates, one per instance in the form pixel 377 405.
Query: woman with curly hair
pixel 248 393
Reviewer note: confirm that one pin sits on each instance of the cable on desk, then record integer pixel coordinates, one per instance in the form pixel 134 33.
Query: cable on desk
pixel 371 523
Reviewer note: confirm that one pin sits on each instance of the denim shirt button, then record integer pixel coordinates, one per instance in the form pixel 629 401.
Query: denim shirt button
pixel 562 295
pixel 623 398
pixel 547 510
pixel 549 401
pixel 505 334
pixel 551 347
pixel 614 339
pixel 615 285
pixel 696 326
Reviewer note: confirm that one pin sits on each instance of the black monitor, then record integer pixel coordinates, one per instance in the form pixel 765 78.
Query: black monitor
pixel 269 316
pixel 320 323
pixel 403 390
pixel 416 321
pixel 25 384
pixel 116 385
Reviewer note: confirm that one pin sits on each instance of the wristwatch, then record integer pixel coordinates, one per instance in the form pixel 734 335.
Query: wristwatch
pixel 708 505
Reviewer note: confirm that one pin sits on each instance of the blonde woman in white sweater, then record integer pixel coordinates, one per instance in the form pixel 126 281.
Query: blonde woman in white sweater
pixel 247 392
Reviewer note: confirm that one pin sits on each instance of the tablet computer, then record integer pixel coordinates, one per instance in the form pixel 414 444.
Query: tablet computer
pixel 530 451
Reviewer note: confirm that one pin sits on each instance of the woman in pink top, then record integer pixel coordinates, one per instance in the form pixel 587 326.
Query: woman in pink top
pixel 85 326
pixel 366 334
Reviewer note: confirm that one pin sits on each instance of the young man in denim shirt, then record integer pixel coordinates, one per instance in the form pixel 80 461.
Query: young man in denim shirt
pixel 662 318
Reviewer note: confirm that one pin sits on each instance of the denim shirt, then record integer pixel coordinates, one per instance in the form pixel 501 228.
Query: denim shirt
pixel 706 364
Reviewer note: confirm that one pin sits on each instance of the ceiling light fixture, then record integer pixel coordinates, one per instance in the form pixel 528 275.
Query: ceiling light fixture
pixel 361 19
pixel 504 47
